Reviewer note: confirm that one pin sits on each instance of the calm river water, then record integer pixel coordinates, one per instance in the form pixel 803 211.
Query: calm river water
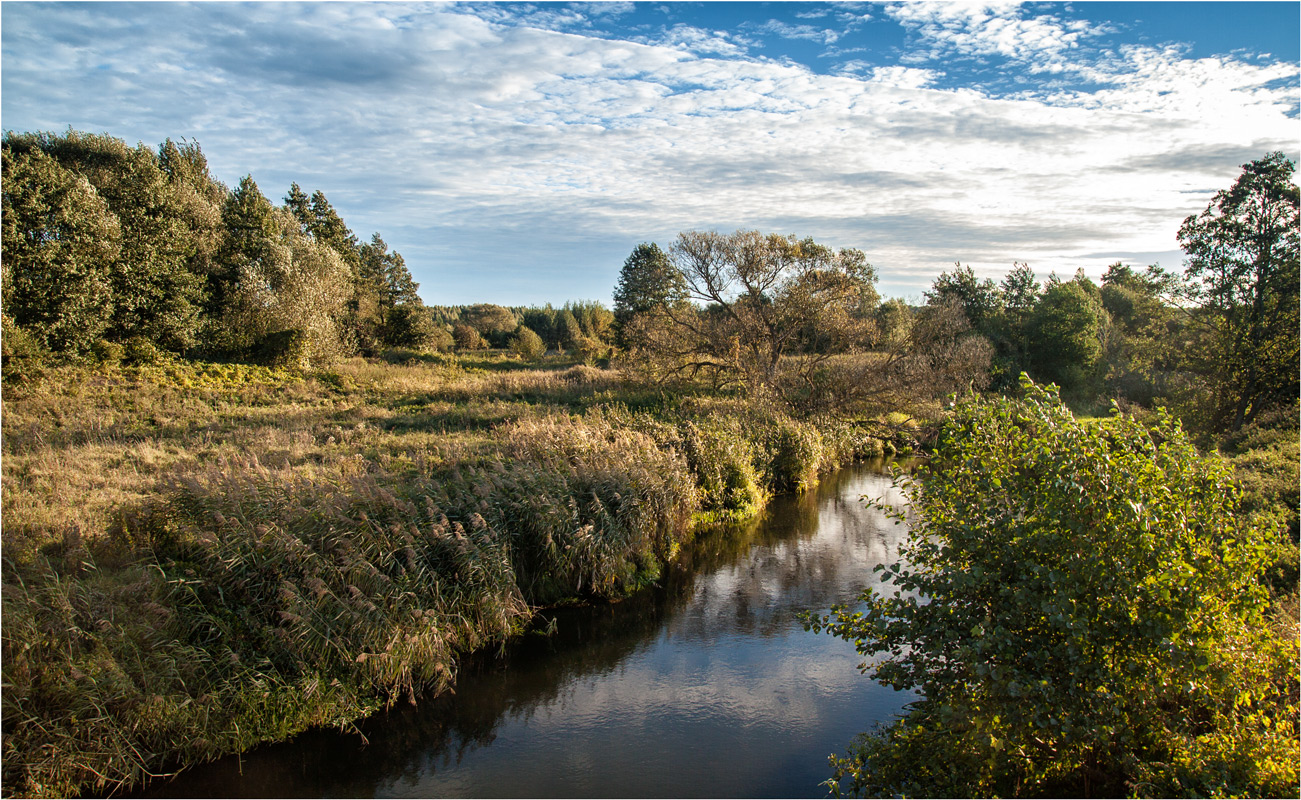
pixel 706 687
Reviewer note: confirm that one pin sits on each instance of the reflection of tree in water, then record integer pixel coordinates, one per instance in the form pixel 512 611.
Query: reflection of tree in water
pixel 746 579
pixel 809 552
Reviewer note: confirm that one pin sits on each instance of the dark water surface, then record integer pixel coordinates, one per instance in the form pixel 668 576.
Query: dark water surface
pixel 706 687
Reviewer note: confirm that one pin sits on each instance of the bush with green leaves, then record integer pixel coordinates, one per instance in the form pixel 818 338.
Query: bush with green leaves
pixel 527 344
pixel 1080 606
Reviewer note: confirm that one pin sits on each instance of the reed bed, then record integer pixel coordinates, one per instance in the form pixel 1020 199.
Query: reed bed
pixel 199 558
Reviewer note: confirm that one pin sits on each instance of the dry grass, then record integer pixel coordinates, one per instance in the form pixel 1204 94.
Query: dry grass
pixel 200 557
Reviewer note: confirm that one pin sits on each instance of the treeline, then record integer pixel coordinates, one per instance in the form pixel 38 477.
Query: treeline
pixel 582 327
pixel 111 250
pixel 1216 343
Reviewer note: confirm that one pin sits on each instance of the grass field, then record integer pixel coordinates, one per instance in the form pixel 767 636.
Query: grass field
pixel 202 557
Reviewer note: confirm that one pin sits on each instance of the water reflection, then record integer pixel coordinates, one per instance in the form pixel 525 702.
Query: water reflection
pixel 706 686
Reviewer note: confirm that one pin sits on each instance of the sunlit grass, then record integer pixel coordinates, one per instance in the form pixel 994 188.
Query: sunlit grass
pixel 202 557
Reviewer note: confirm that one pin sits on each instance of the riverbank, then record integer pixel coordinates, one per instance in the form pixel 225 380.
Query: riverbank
pixel 199 558
pixel 647 697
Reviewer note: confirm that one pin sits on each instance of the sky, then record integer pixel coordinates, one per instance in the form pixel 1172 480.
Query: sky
pixel 516 153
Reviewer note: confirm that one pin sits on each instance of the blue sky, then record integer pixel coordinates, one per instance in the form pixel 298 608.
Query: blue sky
pixel 516 153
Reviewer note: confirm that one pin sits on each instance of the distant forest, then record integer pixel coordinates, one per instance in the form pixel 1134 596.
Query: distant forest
pixel 114 252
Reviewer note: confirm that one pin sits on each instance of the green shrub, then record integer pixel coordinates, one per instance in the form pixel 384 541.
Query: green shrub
pixel 723 461
pixel 139 351
pixel 105 352
pixel 288 349
pixel 466 338
pixel 1094 620
pixel 527 344
pixel 796 456
pixel 23 354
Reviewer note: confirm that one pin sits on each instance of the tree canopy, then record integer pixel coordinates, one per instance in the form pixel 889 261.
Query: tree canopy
pixel 109 242
pixel 755 298
pixel 1242 275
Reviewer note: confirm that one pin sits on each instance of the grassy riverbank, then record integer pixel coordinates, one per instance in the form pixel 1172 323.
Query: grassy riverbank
pixel 202 557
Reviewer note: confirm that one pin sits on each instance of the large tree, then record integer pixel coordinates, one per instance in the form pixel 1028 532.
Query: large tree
pixel 980 299
pixel 1066 332
pixel 1241 276
pixel 647 284
pixel 155 294
pixel 59 245
pixel 282 292
pixel 764 297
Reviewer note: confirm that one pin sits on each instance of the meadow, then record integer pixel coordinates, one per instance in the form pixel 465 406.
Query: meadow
pixel 200 557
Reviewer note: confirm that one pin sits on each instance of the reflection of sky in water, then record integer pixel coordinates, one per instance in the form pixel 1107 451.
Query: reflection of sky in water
pixel 708 688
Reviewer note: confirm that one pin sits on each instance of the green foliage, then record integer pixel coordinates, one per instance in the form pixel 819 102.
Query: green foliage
pixel 1137 345
pixel 647 282
pixel 108 242
pixel 492 322
pixel 23 355
pixel 797 456
pixel 154 292
pixel 1244 253
pixel 1066 335
pixel 467 338
pixel 409 325
pixel 527 344
pixel 569 331
pixel 894 321
pixel 387 310
pixel 277 281
pixel 139 351
pixel 1080 606
pixel 723 461
pixel 980 300
pixel 60 244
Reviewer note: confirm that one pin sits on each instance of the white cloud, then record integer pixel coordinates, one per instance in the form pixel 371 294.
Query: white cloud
pixel 474 142
pixel 788 31
pixel 1000 28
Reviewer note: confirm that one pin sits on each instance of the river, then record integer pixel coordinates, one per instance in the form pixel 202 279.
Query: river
pixel 707 686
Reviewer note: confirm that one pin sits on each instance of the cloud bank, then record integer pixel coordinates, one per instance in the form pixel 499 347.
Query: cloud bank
pixel 517 154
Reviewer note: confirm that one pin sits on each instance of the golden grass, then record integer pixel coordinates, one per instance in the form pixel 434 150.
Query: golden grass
pixel 202 557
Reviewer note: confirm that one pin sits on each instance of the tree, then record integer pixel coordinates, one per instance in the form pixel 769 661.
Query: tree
pixel 594 320
pixel 300 205
pixel 980 299
pixel 410 325
pixel 1137 350
pixel 527 344
pixel 493 322
pixel 250 235
pixel 647 282
pixel 467 338
pixel 1241 276
pixel 1066 332
pixel 542 322
pixel 399 317
pixel 155 295
pixel 1080 608
pixel 1019 294
pixel 570 332
pixel 766 297
pixel 200 199
pixel 60 242
pixel 282 295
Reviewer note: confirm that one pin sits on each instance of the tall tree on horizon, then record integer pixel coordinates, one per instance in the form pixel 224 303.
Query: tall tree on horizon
pixel 1241 277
